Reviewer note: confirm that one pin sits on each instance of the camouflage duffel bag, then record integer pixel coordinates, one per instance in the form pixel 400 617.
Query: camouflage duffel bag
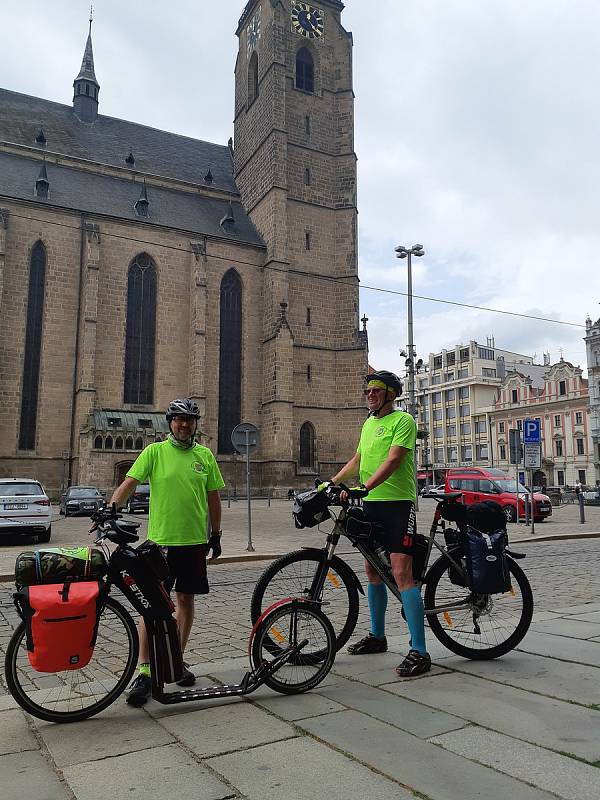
pixel 57 564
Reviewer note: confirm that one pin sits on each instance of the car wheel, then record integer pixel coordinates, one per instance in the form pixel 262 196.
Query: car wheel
pixel 45 537
pixel 510 512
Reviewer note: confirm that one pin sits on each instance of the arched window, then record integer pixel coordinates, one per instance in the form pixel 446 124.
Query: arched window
pixel 252 78
pixel 129 443
pixel 140 332
pixel 119 443
pixel 108 443
pixel 305 70
pixel 98 443
pixel 33 347
pixel 230 359
pixel 307 447
pixel 139 443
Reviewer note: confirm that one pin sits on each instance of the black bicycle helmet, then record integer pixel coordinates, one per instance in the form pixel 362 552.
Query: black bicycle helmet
pixel 390 379
pixel 184 407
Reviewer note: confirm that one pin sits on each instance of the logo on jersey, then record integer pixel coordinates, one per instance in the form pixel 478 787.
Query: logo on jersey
pixel 198 466
pixel 380 431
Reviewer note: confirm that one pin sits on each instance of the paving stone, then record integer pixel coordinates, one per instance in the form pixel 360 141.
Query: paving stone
pixel 576 609
pixel 512 711
pixel 303 769
pixel 299 706
pixel 28 776
pixel 169 771
pixel 409 716
pixel 589 616
pixel 118 730
pixel 564 680
pixel 7 702
pixel 211 731
pixel 568 649
pixel 16 733
pixel 564 776
pixel 578 629
pixel 425 767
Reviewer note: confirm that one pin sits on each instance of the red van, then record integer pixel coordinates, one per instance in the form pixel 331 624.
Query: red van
pixel 480 483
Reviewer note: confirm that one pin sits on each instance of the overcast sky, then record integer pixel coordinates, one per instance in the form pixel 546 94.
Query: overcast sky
pixel 477 130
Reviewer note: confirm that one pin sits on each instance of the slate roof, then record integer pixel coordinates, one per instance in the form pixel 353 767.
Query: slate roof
pixel 109 141
pixel 87 65
pixel 98 194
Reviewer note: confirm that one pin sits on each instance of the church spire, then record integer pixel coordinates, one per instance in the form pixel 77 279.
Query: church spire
pixel 85 86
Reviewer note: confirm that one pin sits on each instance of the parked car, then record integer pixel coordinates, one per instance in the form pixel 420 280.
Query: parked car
pixel 440 489
pixel 25 508
pixel 80 500
pixel 139 500
pixel 479 484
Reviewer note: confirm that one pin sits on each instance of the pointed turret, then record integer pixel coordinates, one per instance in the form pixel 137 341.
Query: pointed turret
pixel 85 86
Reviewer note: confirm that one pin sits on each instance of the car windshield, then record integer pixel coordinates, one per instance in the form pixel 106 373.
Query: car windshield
pixel 20 489
pixel 143 488
pixel 509 485
pixel 83 491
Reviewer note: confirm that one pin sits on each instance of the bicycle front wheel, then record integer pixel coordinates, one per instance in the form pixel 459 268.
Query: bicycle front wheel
pixel 73 695
pixel 485 626
pixel 291 624
pixel 292 576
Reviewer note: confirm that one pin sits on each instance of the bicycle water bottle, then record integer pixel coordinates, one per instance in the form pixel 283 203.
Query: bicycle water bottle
pixel 384 556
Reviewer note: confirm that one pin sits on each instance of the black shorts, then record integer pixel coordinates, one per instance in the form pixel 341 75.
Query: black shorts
pixel 187 568
pixel 399 521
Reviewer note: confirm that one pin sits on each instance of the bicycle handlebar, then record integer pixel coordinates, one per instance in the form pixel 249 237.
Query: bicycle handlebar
pixel 106 521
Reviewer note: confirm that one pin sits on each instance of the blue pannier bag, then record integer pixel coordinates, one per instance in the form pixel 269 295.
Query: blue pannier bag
pixel 486 561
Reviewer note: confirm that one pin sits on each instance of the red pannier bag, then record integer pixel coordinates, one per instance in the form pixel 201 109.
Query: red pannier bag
pixel 61 623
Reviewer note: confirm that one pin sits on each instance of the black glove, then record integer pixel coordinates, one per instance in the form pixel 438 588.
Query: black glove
pixel 357 492
pixel 322 486
pixel 214 544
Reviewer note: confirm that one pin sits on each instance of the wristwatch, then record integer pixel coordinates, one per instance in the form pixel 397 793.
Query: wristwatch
pixel 216 533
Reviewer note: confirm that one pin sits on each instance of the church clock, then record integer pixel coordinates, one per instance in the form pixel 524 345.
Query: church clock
pixel 253 32
pixel 307 20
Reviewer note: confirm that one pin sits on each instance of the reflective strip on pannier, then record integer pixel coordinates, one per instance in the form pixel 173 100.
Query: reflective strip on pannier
pixel 56 564
pixel 61 622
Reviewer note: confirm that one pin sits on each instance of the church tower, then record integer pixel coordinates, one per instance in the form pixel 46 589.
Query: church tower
pixel 295 168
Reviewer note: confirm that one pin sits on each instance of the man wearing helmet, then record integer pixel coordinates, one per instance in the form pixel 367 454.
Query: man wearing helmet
pixel 184 483
pixel 384 461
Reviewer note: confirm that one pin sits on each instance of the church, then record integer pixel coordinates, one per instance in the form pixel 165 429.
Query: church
pixel 138 265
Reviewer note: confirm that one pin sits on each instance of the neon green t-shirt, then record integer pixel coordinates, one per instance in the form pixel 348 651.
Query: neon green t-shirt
pixel 179 482
pixel 397 429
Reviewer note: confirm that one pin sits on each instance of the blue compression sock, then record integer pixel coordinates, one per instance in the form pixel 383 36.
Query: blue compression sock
pixel 377 595
pixel 415 617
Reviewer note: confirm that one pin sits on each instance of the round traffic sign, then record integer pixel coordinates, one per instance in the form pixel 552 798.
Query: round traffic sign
pixel 245 437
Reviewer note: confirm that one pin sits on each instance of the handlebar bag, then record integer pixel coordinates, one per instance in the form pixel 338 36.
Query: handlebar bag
pixel 486 516
pixel 310 509
pixel 56 564
pixel 61 623
pixel 486 561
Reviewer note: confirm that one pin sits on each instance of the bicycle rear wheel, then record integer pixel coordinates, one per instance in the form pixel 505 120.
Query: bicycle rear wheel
pixel 292 576
pixel 489 625
pixel 291 624
pixel 73 695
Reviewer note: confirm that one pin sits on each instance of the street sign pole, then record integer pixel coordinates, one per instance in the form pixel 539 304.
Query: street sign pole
pixel 250 548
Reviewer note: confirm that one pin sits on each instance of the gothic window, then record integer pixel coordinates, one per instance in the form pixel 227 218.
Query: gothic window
pixel 33 346
pixel 119 443
pixel 140 331
pixel 305 70
pixel 253 78
pixel 307 447
pixel 108 443
pixel 139 443
pixel 98 443
pixel 307 176
pixel 230 359
pixel 129 443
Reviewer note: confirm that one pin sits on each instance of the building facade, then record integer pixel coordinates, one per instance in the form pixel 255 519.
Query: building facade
pixel 454 393
pixel 561 404
pixel 592 343
pixel 137 265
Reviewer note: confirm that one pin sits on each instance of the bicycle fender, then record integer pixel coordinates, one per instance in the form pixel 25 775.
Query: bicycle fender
pixel 338 563
pixel 514 555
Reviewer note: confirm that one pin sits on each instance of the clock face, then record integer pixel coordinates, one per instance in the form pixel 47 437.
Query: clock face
pixel 307 20
pixel 253 32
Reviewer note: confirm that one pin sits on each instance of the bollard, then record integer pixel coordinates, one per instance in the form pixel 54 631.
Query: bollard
pixel 581 508
pixel 527 510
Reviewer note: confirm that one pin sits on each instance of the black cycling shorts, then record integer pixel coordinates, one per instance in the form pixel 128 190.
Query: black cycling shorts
pixel 399 522
pixel 187 568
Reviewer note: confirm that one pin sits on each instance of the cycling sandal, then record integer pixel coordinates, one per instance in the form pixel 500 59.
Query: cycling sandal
pixel 414 664
pixel 367 645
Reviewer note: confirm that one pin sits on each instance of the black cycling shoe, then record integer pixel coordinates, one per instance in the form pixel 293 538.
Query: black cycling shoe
pixel 188 679
pixel 139 691
pixel 414 664
pixel 367 645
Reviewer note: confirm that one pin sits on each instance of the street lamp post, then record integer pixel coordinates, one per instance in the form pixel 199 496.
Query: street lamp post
pixel 408 252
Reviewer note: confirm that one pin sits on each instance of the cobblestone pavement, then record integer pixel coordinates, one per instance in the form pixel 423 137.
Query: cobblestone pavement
pixel 565 573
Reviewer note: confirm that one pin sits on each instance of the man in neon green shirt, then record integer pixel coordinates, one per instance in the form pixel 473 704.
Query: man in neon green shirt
pixel 384 461
pixel 184 489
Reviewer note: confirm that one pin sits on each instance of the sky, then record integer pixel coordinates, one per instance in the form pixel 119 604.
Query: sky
pixel 476 135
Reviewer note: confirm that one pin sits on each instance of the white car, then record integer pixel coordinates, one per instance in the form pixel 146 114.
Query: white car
pixel 24 509
pixel 440 489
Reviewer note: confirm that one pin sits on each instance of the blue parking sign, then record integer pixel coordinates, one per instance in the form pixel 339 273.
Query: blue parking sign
pixel 532 432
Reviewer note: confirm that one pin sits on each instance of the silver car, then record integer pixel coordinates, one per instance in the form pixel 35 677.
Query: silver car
pixel 24 509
